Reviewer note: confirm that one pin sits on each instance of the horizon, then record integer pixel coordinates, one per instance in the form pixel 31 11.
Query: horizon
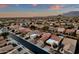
pixel 35 10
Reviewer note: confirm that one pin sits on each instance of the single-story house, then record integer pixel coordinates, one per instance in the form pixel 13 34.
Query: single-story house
pixel 61 30
pixel 70 31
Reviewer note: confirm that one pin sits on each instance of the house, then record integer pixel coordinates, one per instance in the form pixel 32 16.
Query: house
pixel 53 38
pixel 11 27
pixel 61 30
pixel 57 24
pixel 1 38
pixel 77 33
pixel 14 27
pixel 6 49
pixel 70 31
pixel 3 43
pixel 45 36
pixel 33 34
pixel 63 24
pixel 24 30
pixel 57 38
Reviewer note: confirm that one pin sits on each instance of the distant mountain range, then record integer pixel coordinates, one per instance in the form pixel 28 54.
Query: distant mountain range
pixel 72 13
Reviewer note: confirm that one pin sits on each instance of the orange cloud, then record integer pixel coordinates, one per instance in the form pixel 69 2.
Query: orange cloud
pixel 3 5
pixel 34 5
pixel 55 7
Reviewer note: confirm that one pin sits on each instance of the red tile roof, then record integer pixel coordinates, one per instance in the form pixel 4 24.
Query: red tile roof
pixel 45 36
pixel 3 41
pixel 55 37
pixel 14 26
pixel 24 30
pixel 6 48
pixel 36 32
pixel 70 30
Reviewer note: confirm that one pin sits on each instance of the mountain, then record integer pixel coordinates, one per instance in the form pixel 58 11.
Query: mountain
pixel 72 13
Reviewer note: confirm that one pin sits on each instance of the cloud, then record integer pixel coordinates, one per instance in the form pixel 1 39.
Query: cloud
pixel 56 7
pixel 3 5
pixel 34 5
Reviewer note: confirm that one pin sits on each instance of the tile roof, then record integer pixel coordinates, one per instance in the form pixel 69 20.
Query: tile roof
pixel 3 41
pixel 45 36
pixel 34 32
pixel 24 30
pixel 70 30
pixel 77 32
pixel 55 37
pixel 61 29
pixel 6 48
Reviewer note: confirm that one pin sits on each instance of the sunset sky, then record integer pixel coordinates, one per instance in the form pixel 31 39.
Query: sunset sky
pixel 27 10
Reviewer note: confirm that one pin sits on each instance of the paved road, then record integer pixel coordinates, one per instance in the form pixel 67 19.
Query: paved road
pixel 28 45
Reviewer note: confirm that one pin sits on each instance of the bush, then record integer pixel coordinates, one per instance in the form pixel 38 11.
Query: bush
pixel 5 34
pixel 45 28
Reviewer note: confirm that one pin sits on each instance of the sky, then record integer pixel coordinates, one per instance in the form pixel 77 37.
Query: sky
pixel 30 10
